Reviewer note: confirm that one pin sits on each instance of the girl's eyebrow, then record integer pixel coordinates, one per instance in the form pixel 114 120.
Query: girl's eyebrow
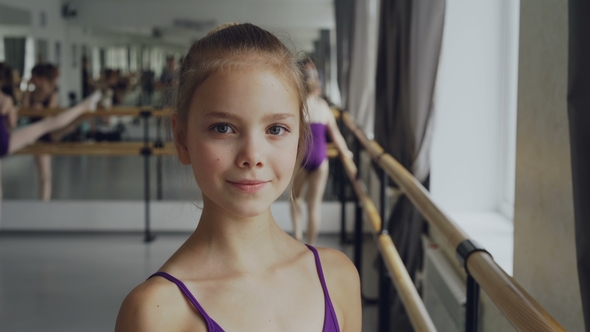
pixel 278 116
pixel 231 116
pixel 222 115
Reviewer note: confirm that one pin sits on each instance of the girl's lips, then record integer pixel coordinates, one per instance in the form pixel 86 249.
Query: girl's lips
pixel 248 186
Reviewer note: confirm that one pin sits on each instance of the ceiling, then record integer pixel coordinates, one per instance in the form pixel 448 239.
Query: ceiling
pixel 181 22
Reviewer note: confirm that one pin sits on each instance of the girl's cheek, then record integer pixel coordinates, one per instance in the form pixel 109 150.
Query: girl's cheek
pixel 217 153
pixel 288 161
pixel 210 156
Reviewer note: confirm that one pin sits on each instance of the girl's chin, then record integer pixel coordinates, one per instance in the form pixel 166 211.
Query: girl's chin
pixel 247 212
pixel 241 205
pixel 244 211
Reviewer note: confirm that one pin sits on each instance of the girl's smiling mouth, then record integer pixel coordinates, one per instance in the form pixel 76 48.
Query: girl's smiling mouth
pixel 248 186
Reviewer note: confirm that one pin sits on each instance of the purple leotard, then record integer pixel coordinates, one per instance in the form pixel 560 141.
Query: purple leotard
pixel 330 319
pixel 316 151
pixel 4 136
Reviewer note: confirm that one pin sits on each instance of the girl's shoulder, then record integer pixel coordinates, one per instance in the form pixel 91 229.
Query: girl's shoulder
pixel 157 305
pixel 344 286
pixel 338 268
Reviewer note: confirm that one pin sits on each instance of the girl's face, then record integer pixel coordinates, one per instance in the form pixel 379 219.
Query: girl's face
pixel 241 139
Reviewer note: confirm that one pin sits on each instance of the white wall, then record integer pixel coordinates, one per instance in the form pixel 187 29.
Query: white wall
pixel 544 227
pixel 474 101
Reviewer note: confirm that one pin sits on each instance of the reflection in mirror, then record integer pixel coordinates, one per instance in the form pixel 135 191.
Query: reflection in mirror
pixel 134 63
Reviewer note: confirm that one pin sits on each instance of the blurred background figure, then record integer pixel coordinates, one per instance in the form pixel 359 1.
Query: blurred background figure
pixel 13 138
pixel 87 82
pixel 148 85
pixel 314 168
pixel 168 82
pixel 42 93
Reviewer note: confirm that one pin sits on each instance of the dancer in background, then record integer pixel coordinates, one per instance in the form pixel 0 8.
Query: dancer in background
pixel 13 139
pixel 42 93
pixel 314 168
pixel 168 82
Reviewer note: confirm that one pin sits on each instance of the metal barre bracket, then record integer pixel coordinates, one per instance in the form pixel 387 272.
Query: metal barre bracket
pixel 465 249
pixel 378 157
pixel 146 152
pixel 145 113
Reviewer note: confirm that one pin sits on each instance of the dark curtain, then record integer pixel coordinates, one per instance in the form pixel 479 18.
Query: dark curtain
pixel 579 122
pixel 322 59
pixel 344 41
pixel 360 95
pixel 410 36
pixel 391 94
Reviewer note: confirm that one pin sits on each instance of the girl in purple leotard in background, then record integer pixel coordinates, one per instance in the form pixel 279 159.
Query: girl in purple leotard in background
pixel 44 96
pixel 12 138
pixel 314 168
pixel 240 125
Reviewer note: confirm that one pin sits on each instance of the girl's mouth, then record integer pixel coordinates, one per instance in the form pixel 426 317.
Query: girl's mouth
pixel 248 186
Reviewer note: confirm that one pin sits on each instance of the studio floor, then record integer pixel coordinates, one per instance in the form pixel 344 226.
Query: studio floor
pixel 76 281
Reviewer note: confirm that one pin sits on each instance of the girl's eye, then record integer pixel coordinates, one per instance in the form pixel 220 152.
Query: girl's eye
pixel 222 128
pixel 277 130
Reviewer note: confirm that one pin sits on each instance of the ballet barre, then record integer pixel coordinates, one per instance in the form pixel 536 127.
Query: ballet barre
pixel 113 149
pixel 391 260
pixel 96 148
pixel 115 111
pixel 523 312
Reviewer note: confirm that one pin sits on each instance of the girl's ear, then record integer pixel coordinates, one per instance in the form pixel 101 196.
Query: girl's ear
pixel 180 142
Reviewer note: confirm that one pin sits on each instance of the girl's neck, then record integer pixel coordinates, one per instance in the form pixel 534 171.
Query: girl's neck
pixel 253 243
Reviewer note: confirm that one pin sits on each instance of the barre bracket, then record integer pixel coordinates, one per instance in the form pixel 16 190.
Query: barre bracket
pixel 465 249
pixel 145 113
pixel 146 151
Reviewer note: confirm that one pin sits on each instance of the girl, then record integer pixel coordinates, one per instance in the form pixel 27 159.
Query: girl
pixel 314 169
pixel 12 139
pixel 240 125
pixel 44 96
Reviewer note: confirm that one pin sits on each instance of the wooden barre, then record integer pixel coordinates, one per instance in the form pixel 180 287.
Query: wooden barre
pixel 118 111
pixel 402 281
pixel 112 148
pixel 523 312
pixel 101 148
pixel 336 113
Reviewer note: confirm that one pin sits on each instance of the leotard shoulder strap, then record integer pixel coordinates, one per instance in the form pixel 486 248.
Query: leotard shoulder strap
pixel 212 326
pixel 330 319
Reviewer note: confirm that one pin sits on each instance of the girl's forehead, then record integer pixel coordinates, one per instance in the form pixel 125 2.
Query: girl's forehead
pixel 246 91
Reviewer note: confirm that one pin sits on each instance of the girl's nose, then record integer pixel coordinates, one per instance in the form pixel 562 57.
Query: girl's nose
pixel 250 155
